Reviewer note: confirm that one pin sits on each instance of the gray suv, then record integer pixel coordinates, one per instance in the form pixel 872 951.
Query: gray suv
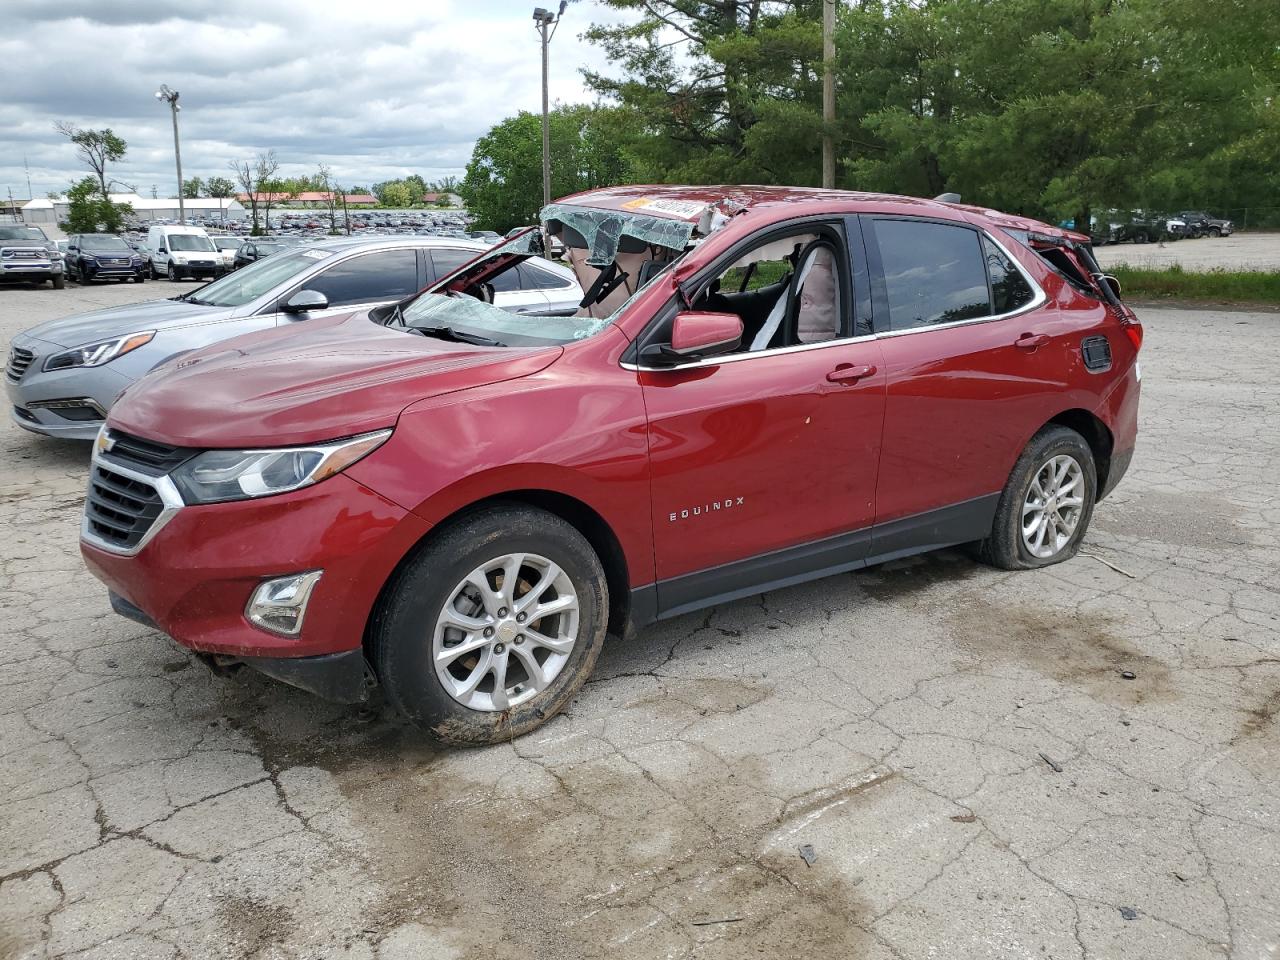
pixel 63 376
pixel 27 255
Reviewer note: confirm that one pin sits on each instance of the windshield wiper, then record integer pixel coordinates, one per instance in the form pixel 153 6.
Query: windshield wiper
pixel 448 333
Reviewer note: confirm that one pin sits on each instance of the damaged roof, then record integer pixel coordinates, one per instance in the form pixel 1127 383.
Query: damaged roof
pixel 690 204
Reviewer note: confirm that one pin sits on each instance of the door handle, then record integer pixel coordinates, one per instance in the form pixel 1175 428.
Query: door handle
pixel 849 373
pixel 1029 341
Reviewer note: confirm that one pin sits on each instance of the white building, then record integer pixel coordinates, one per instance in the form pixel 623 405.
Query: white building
pixel 49 213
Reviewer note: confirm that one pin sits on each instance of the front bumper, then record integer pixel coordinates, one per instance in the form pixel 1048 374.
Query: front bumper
pixel 94 386
pixel 33 271
pixel 339 677
pixel 111 271
pixel 194 576
pixel 198 270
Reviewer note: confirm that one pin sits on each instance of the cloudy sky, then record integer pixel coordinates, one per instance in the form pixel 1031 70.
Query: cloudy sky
pixel 376 90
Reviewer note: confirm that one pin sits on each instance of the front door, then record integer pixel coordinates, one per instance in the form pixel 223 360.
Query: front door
pixel 764 462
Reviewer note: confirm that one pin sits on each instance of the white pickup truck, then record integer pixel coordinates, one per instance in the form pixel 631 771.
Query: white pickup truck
pixel 27 255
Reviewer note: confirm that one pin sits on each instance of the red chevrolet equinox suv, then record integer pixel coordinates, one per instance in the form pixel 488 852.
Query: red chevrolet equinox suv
pixel 761 386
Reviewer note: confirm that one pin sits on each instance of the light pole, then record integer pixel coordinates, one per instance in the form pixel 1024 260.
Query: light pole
pixel 171 96
pixel 828 92
pixel 546 22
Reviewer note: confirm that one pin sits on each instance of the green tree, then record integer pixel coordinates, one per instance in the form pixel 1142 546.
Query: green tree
pixel 96 148
pixel 90 212
pixel 193 188
pixel 395 193
pixel 219 187
pixel 1045 107
pixel 590 147
pixel 729 91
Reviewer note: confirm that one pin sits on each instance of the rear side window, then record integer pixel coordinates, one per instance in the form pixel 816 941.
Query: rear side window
pixel 933 273
pixel 385 275
pixel 534 277
pixel 1009 288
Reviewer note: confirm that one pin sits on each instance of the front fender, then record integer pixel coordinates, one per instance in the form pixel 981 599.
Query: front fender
pixel 576 428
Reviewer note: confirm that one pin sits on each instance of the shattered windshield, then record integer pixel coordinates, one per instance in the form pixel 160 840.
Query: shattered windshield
pixel 603 230
pixel 460 314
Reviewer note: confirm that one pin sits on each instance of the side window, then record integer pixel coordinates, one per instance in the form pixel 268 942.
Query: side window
pixel 505 281
pixel 384 275
pixel 933 273
pixel 1009 288
pixel 449 259
pixel 788 291
pixel 534 277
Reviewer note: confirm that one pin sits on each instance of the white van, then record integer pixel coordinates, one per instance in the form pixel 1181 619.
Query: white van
pixel 180 252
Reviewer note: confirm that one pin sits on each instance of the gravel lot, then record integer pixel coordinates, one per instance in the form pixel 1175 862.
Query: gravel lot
pixel 905 722
pixel 1241 251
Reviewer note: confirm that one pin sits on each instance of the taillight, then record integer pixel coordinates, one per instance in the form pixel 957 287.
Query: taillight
pixel 1133 330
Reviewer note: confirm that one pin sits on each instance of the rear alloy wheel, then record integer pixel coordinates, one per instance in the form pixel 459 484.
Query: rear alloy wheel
pixel 493 626
pixel 1047 503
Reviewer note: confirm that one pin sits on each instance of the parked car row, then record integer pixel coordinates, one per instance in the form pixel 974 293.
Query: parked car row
pixel 456 493
pixel 1137 226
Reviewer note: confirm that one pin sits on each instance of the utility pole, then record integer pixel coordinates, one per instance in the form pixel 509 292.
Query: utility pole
pixel 171 96
pixel 546 22
pixel 828 92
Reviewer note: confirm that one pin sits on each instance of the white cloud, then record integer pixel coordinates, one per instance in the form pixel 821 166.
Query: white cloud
pixel 375 91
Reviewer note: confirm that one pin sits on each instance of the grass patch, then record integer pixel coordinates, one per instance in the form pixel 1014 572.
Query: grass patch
pixel 1175 283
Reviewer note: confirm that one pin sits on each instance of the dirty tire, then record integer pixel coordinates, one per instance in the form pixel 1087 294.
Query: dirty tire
pixel 1005 548
pixel 403 626
pixel 59 282
pixel 173 273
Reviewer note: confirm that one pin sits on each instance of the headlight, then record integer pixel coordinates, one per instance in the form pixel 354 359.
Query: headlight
pixel 96 354
pixel 216 476
pixel 179 258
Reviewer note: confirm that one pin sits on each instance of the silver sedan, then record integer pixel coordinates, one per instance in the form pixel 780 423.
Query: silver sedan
pixel 63 376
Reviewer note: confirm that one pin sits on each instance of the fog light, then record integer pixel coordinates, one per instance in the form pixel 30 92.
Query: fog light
pixel 279 605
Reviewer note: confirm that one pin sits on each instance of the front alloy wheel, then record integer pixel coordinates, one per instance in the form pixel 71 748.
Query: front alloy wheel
pixel 506 632
pixel 492 626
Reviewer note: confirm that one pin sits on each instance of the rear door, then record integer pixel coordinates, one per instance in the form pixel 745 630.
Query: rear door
pixel 975 362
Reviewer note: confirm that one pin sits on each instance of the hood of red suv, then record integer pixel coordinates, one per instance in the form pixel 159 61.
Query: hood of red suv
pixel 308 382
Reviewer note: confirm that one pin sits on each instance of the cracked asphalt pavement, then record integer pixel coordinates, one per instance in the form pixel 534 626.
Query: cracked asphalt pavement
pixel 961 747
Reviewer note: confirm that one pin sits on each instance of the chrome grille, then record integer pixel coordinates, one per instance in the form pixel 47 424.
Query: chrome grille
pixel 19 360
pixel 145 455
pixel 120 509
